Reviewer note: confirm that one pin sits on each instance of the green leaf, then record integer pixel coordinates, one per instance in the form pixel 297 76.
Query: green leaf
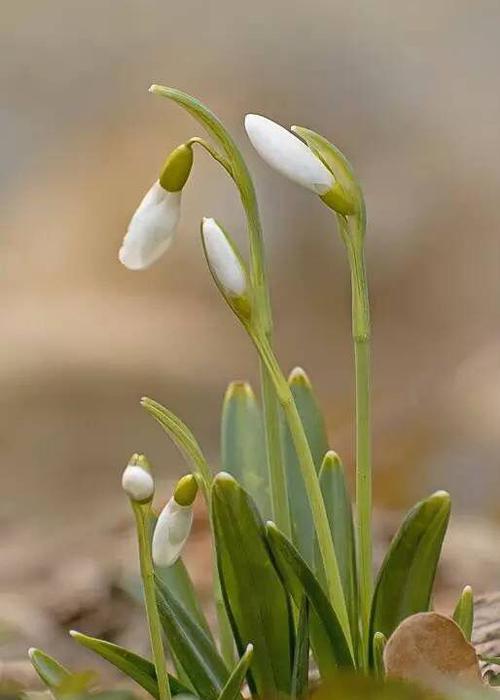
pixel 405 580
pixel 339 510
pixel 131 664
pixel 177 581
pixel 255 599
pixel 182 437
pixel 303 533
pixel 328 641
pixel 464 612
pixel 243 453
pixel 191 645
pixel 378 646
pixel 300 672
pixel 52 673
pixel 231 690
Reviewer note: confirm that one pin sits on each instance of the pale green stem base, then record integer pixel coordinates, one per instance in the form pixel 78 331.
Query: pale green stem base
pixel 147 572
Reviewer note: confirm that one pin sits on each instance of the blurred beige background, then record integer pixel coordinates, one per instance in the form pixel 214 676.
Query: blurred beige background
pixel 408 90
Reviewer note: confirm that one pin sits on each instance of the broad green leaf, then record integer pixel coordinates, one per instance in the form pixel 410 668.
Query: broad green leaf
pixel 131 664
pixel 300 671
pixel 52 673
pixel 191 645
pixel 464 612
pixel 231 690
pixel 329 644
pixel 339 510
pixel 378 646
pixel 255 599
pixel 303 533
pixel 243 446
pixel 406 577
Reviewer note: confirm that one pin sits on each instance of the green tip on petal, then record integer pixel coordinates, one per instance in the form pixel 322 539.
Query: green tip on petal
pixel 186 490
pixel 177 168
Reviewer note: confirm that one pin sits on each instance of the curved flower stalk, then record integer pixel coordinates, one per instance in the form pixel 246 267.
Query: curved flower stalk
pixel 281 150
pixel 174 523
pixel 229 156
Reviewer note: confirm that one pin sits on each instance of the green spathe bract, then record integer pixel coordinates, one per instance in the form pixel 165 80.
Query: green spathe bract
pixel 303 582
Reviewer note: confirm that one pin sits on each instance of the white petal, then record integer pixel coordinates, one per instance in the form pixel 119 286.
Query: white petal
pixel 171 532
pixel 223 261
pixel 288 154
pixel 137 483
pixel 151 228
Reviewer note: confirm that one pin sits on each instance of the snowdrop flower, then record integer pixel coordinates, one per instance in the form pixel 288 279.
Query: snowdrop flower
pixel 152 227
pixel 223 260
pixel 137 481
pixel 174 523
pixel 288 154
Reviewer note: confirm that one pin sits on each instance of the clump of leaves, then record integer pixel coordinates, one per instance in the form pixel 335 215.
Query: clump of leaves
pixel 293 578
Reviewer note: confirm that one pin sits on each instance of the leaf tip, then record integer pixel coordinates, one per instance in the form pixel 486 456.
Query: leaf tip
pixel 239 388
pixel 31 652
pixel 298 377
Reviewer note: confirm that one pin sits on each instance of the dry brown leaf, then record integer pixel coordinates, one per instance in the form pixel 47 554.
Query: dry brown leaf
pixel 427 645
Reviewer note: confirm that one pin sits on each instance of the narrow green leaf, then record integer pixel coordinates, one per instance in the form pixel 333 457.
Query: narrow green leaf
pixel 490 659
pixel 243 446
pixel 177 580
pixel 182 437
pixel 406 577
pixel 231 690
pixel 191 645
pixel 339 510
pixel 131 664
pixel 303 533
pixel 52 673
pixel 379 642
pixel 464 612
pixel 300 671
pixel 329 644
pixel 255 599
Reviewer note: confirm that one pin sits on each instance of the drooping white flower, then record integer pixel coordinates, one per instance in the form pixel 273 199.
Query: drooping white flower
pixel 174 523
pixel 224 262
pixel 138 483
pixel 151 229
pixel 171 532
pixel 288 154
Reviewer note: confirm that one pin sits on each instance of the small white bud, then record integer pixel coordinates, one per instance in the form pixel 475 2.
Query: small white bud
pixel 288 154
pixel 151 229
pixel 171 532
pixel 138 483
pixel 224 263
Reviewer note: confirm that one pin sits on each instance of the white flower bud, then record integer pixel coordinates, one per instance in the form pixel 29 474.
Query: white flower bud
pixel 288 154
pixel 171 532
pixel 151 229
pixel 224 262
pixel 138 483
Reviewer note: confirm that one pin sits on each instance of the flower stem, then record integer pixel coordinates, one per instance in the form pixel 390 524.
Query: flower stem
pixel 262 322
pixel 361 334
pixel 311 482
pixel 142 519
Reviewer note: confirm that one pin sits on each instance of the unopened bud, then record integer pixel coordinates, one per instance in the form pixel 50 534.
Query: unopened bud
pixel 137 481
pixel 174 523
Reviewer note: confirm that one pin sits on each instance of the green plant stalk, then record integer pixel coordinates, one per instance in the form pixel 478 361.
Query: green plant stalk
pixel 361 333
pixel 262 320
pixel 311 482
pixel 234 164
pixel 147 573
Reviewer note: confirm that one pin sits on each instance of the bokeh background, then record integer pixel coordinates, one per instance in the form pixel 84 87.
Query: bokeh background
pixel 408 90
